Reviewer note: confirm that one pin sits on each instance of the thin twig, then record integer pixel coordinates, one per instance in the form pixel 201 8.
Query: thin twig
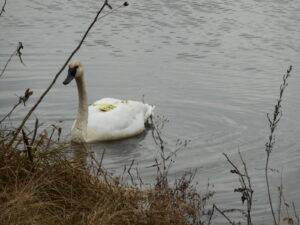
pixel 123 174
pixel 280 193
pixel 211 214
pixel 16 52
pixel 288 218
pixel 246 189
pixel 59 133
pixel 113 10
pixel 98 164
pixel 139 176
pixel 60 71
pixel 28 147
pixel 270 144
pixel 36 126
pixel 166 160
pixel 22 99
pixel 102 157
pixel 128 171
pixel 99 169
pixel 295 213
pixel 268 189
pixel 50 138
pixel 3 8
pixel 222 213
pixel 249 191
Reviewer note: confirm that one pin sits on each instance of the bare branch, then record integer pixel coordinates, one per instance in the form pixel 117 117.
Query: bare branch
pixel 35 131
pixel 295 213
pixel 60 71
pixel 128 171
pixel 211 214
pixel 3 8
pixel 100 163
pixel 16 52
pixel 22 99
pixel 28 147
pixel 221 212
pixel 246 187
pixel 280 197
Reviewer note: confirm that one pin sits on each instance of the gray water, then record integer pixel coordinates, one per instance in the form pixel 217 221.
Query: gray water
pixel 212 68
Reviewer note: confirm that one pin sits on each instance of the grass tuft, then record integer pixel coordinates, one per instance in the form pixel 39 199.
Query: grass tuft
pixel 48 186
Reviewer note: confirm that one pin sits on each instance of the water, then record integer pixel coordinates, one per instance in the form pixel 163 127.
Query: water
pixel 213 68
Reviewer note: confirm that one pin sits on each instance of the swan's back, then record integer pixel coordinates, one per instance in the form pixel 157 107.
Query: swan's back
pixel 111 119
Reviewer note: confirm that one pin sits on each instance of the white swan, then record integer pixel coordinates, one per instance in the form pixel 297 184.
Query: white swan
pixel 105 119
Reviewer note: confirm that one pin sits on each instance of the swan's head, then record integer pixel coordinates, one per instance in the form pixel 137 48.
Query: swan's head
pixel 75 71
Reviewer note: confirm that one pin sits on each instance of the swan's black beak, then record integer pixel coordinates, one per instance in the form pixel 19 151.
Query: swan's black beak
pixel 71 75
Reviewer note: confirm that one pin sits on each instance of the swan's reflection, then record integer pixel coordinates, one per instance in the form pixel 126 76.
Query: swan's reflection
pixel 121 152
pixel 117 154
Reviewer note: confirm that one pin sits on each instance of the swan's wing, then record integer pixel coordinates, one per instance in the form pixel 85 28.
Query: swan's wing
pixel 114 119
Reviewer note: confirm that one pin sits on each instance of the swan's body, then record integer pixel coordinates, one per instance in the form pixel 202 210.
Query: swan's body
pixel 105 119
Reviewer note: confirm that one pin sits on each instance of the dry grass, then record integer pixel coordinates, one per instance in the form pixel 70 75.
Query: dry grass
pixel 50 188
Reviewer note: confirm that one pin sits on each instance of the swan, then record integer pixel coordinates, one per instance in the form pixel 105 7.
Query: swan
pixel 106 119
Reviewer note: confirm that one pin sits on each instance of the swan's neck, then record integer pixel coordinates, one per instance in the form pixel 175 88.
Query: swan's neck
pixel 80 128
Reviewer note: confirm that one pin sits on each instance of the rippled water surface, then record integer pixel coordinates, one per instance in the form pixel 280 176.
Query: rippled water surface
pixel 213 68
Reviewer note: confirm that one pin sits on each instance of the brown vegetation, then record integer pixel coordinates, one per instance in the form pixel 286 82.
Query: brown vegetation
pixel 44 185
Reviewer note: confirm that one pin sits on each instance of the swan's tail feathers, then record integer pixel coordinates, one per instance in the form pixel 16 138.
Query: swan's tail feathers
pixel 149 111
pixel 148 115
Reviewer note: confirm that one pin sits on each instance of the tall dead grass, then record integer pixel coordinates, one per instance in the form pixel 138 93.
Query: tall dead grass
pixel 47 186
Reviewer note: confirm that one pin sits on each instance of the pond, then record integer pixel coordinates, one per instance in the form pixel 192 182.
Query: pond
pixel 212 68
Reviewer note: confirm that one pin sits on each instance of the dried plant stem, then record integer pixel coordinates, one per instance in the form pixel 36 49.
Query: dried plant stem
pixel 268 188
pixel 295 213
pixel 28 147
pixel 22 99
pixel 280 196
pixel 3 8
pixel 61 69
pixel 36 126
pixel 222 213
pixel 11 111
pixel 16 52
pixel 249 191
pixel 99 169
pixel 129 172
pixel 165 162
pixel 270 144
pixel 246 189
pixel 211 214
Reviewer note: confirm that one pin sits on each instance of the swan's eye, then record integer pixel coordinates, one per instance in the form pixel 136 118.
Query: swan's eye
pixel 72 71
